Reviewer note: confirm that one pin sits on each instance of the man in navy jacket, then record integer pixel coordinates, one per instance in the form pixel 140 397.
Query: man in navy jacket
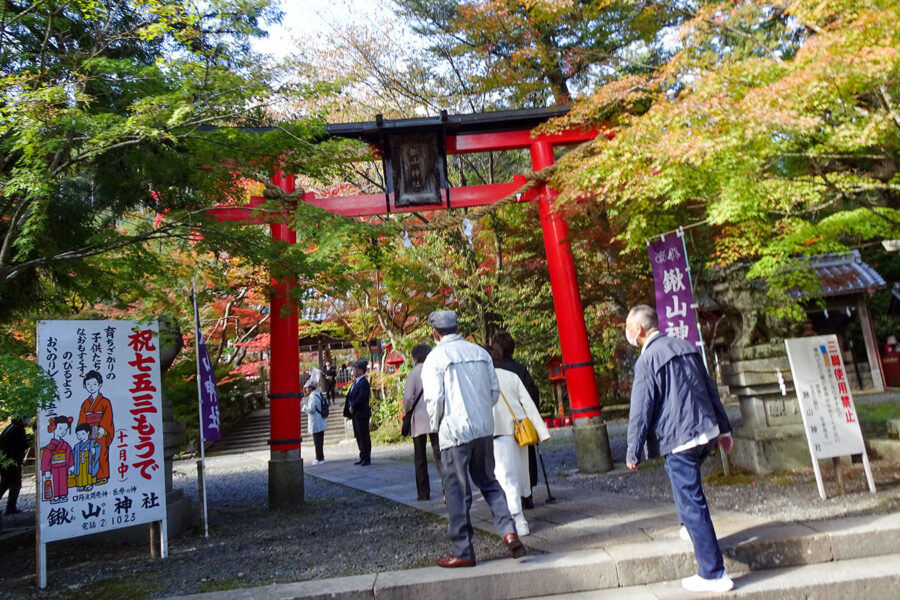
pixel 676 412
pixel 357 409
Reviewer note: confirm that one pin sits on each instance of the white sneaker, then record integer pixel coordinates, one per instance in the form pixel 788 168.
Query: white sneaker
pixel 695 583
pixel 683 533
pixel 521 525
pixel 318 462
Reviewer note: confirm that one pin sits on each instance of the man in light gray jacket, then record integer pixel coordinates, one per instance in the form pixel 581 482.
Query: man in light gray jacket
pixel 460 389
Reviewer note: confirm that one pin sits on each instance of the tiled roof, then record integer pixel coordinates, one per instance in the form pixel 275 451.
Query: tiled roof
pixel 846 273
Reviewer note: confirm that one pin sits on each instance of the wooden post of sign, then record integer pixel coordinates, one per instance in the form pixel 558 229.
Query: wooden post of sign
pixel 154 540
pixel 838 475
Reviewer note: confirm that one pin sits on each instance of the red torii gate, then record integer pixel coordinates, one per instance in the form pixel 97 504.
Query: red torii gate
pixel 461 134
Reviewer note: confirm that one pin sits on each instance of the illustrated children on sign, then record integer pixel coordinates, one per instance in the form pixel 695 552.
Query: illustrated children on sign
pixel 57 462
pixel 96 411
pixel 87 458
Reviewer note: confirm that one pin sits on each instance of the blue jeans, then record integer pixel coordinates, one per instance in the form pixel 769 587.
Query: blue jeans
pixel 475 458
pixel 683 469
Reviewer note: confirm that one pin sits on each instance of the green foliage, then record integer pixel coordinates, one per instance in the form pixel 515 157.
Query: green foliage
pixel 873 418
pixel 774 126
pixel 111 108
pixel 114 114
pixel 24 387
pixel 527 53
pixel 387 397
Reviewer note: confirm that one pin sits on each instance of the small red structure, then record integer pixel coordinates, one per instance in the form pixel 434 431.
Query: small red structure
pixel 555 366
pixel 558 377
pixel 395 360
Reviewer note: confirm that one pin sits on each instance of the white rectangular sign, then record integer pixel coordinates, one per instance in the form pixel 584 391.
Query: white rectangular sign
pixel 100 463
pixel 823 392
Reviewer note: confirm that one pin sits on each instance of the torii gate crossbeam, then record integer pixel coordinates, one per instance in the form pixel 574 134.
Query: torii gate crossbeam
pixel 511 130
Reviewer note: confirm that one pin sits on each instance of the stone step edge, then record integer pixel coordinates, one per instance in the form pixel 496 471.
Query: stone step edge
pixel 614 567
pixel 856 578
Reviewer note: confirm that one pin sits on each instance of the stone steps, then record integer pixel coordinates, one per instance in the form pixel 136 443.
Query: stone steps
pixel 883 448
pixel 860 578
pixel 858 561
pixel 252 433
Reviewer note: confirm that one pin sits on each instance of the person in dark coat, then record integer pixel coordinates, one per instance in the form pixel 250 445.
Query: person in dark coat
pixel 357 409
pixel 503 340
pixel 676 413
pixel 13 444
pixel 330 375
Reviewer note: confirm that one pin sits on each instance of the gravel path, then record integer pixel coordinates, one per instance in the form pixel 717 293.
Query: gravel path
pixel 340 531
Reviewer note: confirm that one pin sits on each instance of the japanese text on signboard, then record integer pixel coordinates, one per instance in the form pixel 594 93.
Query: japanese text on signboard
pixel 100 442
pixel 826 405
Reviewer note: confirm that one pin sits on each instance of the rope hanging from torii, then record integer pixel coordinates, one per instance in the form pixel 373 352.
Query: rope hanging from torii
pixel 445 221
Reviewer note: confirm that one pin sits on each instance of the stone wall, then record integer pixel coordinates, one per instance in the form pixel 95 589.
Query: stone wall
pixel 771 437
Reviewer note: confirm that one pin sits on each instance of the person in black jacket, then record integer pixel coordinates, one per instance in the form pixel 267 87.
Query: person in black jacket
pixel 506 343
pixel 13 445
pixel 330 374
pixel 357 409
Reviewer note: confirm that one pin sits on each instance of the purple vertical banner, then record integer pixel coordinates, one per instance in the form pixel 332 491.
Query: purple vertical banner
pixel 209 393
pixel 674 296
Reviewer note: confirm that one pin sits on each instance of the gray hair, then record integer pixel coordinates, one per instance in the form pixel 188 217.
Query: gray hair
pixel 645 316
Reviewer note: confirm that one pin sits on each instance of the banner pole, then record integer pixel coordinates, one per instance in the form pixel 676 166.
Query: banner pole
pixel 687 264
pixel 202 482
pixel 726 469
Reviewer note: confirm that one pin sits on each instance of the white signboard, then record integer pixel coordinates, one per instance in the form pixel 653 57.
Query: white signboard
pixel 100 462
pixel 823 393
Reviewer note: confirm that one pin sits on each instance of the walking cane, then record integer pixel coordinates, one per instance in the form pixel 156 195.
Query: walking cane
pixel 550 498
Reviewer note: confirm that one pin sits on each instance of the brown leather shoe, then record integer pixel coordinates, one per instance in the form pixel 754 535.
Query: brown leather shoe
pixel 451 562
pixel 516 547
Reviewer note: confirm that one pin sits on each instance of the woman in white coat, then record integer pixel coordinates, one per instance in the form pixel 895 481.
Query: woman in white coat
pixel 316 423
pixel 511 459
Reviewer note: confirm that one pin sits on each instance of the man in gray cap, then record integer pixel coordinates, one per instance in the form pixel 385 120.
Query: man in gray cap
pixel 460 389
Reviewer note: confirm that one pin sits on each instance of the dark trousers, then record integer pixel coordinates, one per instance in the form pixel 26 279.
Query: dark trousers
pixel 329 391
pixel 361 433
pixel 683 469
pixel 319 443
pixel 475 458
pixel 423 484
pixel 11 479
pixel 532 466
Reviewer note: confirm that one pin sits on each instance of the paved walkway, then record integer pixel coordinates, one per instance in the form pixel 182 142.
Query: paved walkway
pixel 576 521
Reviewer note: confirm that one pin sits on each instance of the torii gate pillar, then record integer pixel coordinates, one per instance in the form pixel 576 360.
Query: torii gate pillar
pixel 285 463
pixel 589 433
